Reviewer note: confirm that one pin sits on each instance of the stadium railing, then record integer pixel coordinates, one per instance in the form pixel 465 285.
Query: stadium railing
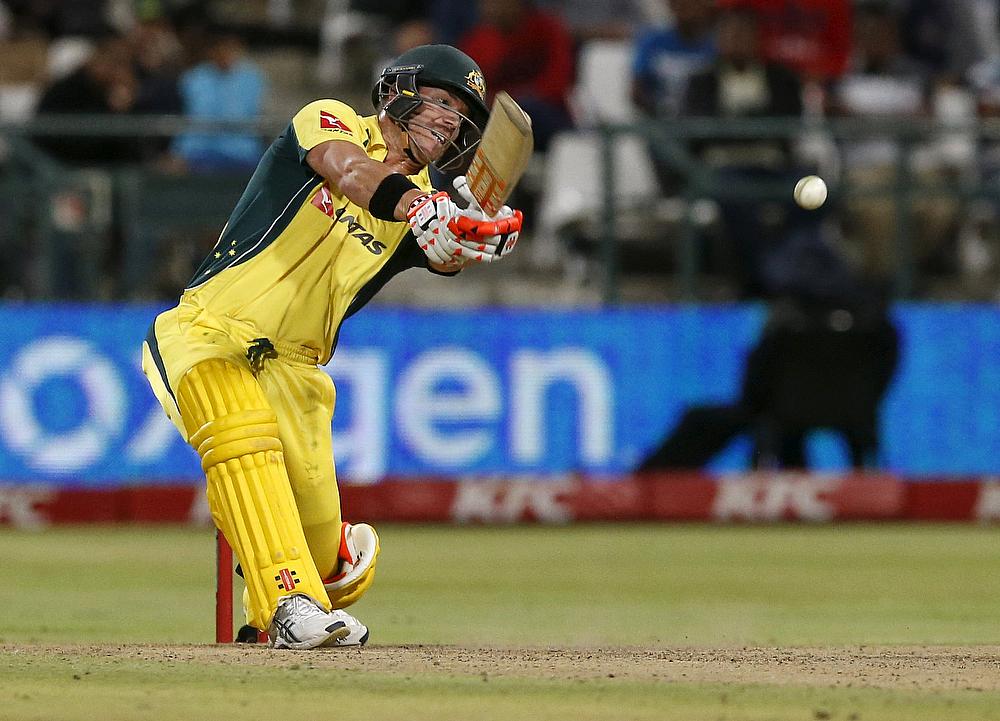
pixel 71 215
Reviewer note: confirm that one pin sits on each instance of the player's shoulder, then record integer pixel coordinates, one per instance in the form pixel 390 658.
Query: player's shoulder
pixel 330 114
pixel 325 103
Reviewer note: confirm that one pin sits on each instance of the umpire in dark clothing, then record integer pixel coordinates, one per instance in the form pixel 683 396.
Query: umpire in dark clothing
pixel 825 359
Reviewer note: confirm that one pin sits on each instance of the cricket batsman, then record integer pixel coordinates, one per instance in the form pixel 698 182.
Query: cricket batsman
pixel 339 204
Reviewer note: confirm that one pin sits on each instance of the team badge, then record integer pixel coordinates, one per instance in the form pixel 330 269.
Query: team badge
pixel 475 81
pixel 329 121
pixel 323 200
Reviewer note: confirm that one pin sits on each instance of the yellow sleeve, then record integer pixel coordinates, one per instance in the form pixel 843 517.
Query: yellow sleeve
pixel 323 120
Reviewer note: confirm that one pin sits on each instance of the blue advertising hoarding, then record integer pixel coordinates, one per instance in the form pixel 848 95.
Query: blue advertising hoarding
pixel 483 392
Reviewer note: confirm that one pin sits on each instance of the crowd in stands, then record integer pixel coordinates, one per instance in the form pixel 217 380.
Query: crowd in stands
pixel 146 60
pixel 806 59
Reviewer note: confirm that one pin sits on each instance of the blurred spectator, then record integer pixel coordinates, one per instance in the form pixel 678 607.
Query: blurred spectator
pixel 106 84
pixel 979 241
pixel 395 12
pixel 812 37
pixel 598 19
pixel 22 74
pixel 411 34
pixel 948 37
pixel 157 63
pixel 420 22
pixel 985 81
pixel 825 359
pixel 528 53
pixel 882 80
pixel 59 18
pixel 885 83
pixel 451 19
pixel 226 86
pixel 408 20
pixel 666 56
pixel 740 84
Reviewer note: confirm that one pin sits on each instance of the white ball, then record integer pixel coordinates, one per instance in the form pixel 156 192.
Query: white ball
pixel 810 192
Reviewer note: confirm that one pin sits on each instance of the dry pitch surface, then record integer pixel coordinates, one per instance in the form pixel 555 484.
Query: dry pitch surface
pixel 900 668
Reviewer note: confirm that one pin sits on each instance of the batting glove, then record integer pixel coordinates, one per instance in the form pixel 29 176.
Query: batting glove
pixel 485 238
pixel 429 217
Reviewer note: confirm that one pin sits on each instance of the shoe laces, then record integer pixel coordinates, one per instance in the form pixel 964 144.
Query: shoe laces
pixel 302 607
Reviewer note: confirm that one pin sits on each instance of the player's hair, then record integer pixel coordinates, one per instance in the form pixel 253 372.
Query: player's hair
pixel 438 66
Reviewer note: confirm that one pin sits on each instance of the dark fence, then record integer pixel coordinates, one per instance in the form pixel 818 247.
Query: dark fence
pixel 110 231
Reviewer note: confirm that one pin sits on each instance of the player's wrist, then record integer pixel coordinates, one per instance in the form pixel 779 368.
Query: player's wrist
pixel 408 200
pixel 391 192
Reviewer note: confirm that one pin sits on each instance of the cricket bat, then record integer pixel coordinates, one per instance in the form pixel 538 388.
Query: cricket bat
pixel 502 155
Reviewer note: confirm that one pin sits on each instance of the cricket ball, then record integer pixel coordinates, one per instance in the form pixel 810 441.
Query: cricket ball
pixel 810 192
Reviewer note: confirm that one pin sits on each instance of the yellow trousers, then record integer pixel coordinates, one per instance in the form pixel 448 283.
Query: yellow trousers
pixel 300 394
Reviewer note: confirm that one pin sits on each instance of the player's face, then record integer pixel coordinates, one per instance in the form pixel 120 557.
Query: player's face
pixel 436 122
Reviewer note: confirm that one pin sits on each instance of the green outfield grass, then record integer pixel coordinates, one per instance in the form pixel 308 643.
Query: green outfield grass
pixel 101 690
pixel 659 587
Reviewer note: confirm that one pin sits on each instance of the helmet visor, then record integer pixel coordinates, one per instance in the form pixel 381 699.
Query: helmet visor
pixel 403 107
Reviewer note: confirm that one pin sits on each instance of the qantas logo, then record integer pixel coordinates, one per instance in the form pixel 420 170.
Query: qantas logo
pixel 329 121
pixel 356 230
pixel 323 200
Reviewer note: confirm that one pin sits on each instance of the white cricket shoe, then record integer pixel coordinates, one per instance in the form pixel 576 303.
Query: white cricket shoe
pixel 301 623
pixel 358 635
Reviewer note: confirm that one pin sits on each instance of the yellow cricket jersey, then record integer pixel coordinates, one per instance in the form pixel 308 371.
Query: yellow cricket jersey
pixel 297 257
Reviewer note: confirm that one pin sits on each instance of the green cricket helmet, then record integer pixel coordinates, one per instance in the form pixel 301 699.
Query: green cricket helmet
pixel 437 66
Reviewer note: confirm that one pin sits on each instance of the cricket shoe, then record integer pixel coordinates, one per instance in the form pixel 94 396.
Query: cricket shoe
pixel 300 623
pixel 358 635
